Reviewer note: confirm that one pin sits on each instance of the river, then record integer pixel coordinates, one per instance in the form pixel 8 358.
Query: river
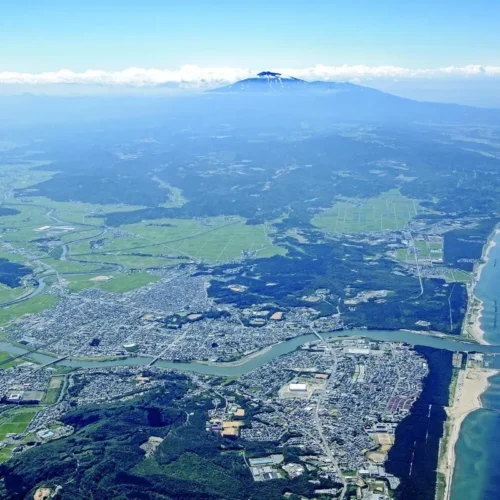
pixel 251 363
pixel 477 474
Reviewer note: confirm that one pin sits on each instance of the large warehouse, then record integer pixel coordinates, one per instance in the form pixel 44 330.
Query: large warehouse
pixel 298 387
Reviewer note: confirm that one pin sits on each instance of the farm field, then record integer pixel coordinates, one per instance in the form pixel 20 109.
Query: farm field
pixel 118 283
pixel 22 227
pixel 78 212
pixel 391 211
pixel 16 421
pixel 6 361
pixel 213 240
pixel 22 175
pixel 128 261
pixel 31 306
pixel 127 282
pixel 68 266
pixel 426 251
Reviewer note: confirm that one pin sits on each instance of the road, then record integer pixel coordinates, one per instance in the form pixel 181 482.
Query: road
pixel 324 442
pixel 418 267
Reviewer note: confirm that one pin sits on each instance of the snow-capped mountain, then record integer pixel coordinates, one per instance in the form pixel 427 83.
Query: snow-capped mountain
pixel 328 102
pixel 266 81
pixel 272 82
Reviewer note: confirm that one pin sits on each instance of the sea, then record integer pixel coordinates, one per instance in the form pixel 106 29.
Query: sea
pixel 477 466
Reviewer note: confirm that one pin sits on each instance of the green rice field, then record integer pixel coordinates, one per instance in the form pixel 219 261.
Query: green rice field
pixel 14 421
pixel 213 240
pixel 426 251
pixel 391 211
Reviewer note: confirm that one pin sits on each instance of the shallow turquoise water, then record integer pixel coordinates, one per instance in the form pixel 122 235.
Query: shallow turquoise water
pixel 488 290
pixel 477 469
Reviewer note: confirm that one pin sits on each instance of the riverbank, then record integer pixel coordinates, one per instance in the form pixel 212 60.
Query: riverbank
pixel 476 305
pixel 471 384
pixel 240 361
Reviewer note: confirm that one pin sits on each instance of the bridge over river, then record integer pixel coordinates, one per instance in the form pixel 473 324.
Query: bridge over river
pixel 250 363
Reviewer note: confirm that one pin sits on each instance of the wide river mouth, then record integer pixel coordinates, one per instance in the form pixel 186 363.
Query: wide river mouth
pixel 260 359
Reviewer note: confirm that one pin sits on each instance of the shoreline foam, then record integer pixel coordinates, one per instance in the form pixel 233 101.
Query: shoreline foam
pixel 471 385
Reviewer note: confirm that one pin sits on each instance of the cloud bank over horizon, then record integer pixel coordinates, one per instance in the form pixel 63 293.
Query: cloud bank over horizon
pixel 192 76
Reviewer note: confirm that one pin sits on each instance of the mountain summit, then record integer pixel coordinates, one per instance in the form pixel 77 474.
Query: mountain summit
pixel 329 102
pixel 266 81
pixel 273 82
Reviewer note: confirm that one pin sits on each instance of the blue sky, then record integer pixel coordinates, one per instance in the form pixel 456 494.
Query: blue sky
pixel 47 35
pixel 437 50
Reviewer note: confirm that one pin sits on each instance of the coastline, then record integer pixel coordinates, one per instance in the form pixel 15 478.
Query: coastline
pixel 476 305
pixel 471 384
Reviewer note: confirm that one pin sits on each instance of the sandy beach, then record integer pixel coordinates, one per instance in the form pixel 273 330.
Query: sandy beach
pixel 471 384
pixel 476 305
pixel 476 313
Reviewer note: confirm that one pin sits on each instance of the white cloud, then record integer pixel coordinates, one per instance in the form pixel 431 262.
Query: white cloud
pixel 195 76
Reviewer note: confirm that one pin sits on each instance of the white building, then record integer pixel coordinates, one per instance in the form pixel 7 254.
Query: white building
pixel 298 387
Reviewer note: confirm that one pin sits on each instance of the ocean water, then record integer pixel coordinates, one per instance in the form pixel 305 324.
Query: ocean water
pixel 488 290
pixel 477 467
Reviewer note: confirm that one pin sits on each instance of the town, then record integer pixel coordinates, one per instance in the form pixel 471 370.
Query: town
pixel 339 402
pixel 172 319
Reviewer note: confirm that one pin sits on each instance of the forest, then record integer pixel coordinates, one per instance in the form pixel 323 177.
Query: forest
pixel 335 266
pixel 12 273
pixel 103 458
pixel 414 456
pixel 462 247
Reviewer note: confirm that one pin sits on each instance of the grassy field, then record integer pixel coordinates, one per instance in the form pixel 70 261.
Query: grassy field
pixel 15 420
pixel 149 244
pixel 6 453
pixel 76 212
pixel 13 257
pixel 118 283
pixel 22 227
pixel 54 389
pixel 21 175
pixel 31 306
pixel 7 293
pixel 129 261
pixel 213 240
pixel 161 243
pixel 391 211
pixel 457 275
pixel 426 251
pixel 68 266
pixel 6 361
pixel 127 282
